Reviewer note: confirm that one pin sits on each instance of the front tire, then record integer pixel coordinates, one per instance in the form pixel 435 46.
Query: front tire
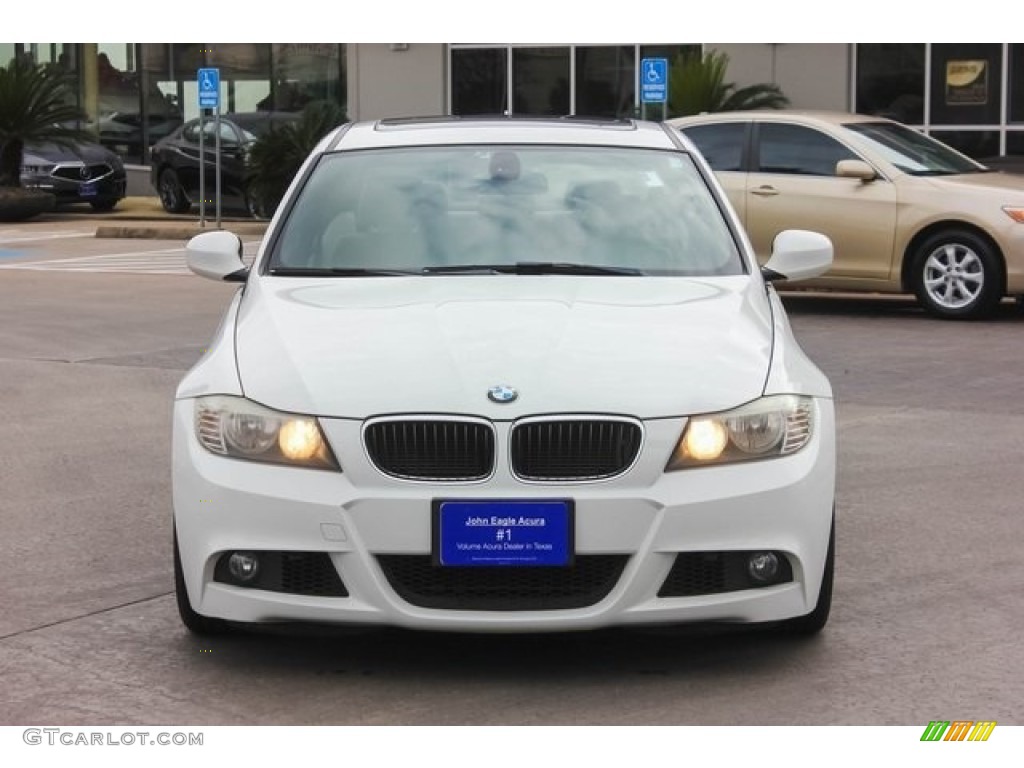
pixel 255 206
pixel 172 195
pixel 957 275
pixel 815 621
pixel 196 623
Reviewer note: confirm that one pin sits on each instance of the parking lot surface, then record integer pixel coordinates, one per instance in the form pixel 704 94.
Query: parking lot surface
pixel 928 610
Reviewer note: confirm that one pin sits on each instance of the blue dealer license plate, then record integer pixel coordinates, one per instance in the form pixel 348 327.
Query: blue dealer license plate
pixel 503 533
pixel 88 190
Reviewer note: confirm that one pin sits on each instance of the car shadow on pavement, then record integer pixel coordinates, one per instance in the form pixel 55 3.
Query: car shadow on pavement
pixel 698 651
pixel 878 306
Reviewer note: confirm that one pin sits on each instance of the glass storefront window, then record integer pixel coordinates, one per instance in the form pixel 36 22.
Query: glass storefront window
pixel 117 118
pixel 305 72
pixel 544 83
pixel 890 81
pixel 244 75
pixel 977 144
pixel 1015 144
pixel 540 81
pixel 605 80
pixel 1016 106
pixel 163 104
pixel 479 81
pixel 38 53
pixel 966 83
pixel 670 52
pixel 658 111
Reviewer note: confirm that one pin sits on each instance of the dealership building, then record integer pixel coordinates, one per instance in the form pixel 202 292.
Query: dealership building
pixel 969 95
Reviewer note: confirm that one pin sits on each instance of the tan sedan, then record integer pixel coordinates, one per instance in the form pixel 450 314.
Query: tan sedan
pixel 905 212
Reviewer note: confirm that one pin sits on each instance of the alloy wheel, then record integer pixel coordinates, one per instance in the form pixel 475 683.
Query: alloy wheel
pixel 954 276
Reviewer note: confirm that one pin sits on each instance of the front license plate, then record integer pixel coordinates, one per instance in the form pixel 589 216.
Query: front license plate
pixel 87 190
pixel 503 533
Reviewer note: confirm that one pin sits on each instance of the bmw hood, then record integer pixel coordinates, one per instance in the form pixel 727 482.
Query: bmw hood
pixel 646 347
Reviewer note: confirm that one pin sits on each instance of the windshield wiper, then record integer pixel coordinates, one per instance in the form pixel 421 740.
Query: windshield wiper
pixel 338 272
pixel 531 268
pixel 519 268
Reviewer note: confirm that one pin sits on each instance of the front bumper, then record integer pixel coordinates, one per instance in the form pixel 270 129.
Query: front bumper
pixel 647 516
pixel 110 185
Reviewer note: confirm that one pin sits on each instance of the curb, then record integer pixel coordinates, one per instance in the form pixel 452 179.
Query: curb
pixel 140 231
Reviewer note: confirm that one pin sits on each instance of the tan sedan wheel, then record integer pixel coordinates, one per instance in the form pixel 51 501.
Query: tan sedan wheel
pixel 957 275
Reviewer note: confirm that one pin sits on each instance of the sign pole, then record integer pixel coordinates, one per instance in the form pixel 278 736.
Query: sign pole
pixel 217 166
pixel 208 82
pixel 202 173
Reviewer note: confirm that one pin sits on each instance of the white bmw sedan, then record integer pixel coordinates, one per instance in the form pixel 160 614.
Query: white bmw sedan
pixel 504 375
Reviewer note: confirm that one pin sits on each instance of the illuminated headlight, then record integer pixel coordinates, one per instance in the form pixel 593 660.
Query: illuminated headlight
pixel 777 425
pixel 242 429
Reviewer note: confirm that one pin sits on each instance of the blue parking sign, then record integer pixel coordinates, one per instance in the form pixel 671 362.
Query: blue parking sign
pixel 653 80
pixel 208 79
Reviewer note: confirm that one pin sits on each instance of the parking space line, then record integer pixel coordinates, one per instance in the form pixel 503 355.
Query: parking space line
pixel 157 261
pixel 42 236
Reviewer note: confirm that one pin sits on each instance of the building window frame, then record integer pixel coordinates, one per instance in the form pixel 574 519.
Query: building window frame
pixel 928 125
pixel 509 69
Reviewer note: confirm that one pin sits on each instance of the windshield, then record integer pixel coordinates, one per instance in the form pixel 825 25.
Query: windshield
pixel 505 209
pixel 912 151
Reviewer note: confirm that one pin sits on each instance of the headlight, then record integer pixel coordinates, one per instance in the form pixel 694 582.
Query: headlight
pixel 771 426
pixel 36 170
pixel 242 429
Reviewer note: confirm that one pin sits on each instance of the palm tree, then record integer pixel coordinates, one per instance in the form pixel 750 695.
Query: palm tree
pixel 34 103
pixel 697 84
pixel 277 156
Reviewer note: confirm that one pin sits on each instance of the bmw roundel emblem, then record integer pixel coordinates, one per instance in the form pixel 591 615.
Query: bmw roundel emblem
pixel 502 394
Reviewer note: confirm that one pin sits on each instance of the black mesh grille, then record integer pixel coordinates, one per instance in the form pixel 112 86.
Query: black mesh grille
pixel 432 450
pixel 708 573
pixel 297 573
pixel 418 581
pixel 574 450
pixel 75 173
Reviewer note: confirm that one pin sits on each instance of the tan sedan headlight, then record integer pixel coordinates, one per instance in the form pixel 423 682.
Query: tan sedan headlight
pixel 777 425
pixel 242 429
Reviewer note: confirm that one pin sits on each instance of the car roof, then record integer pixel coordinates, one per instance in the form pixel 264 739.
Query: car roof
pixel 805 116
pixel 250 118
pixel 503 130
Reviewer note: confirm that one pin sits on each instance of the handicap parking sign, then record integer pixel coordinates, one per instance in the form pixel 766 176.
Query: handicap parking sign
pixel 653 80
pixel 208 79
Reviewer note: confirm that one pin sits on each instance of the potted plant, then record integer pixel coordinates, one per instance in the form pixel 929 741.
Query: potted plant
pixel 697 84
pixel 35 107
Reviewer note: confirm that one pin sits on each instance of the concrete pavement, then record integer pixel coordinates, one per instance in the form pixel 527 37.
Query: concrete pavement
pixel 927 614
pixel 142 217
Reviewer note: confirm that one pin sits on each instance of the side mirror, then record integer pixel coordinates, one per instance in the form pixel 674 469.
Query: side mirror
pixel 798 255
pixel 217 256
pixel 855 169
